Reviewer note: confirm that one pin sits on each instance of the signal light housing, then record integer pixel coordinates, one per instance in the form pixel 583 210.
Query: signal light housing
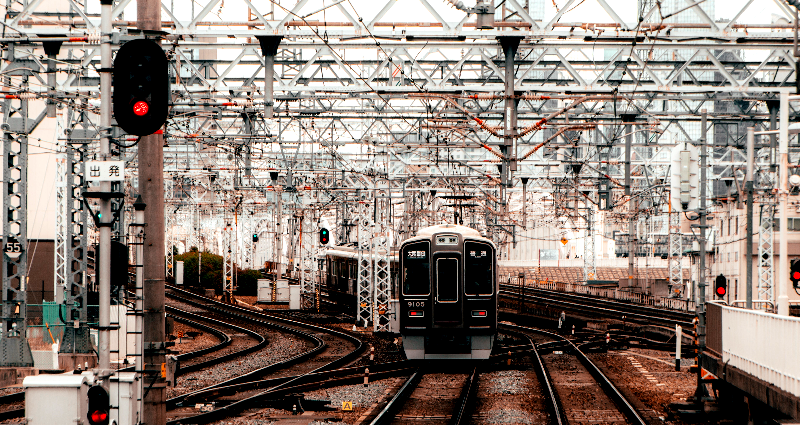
pixel 324 236
pixel 721 286
pixel 141 87
pixel 794 273
pixel 99 405
pixel 255 237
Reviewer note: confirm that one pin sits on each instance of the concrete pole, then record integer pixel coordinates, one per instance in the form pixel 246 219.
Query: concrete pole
pixel 104 275
pixel 631 206
pixel 748 186
pixel 151 188
pixel 138 234
pixel 269 78
pixel 701 274
pixel 783 192
pixel 508 148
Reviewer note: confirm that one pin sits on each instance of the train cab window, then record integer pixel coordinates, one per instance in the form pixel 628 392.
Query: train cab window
pixel 447 280
pixel 416 269
pixel 478 273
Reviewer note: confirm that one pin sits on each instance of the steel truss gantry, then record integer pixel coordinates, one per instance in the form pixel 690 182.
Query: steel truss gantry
pixel 589 258
pixel 336 89
pixel 308 265
pixel 766 251
pixel 14 348
pixel 74 213
pixel 364 288
pixel 381 259
pixel 675 254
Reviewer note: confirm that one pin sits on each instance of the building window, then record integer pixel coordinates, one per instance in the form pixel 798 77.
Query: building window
pixel 737 226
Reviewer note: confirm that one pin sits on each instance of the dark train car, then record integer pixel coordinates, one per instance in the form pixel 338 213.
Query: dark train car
pixel 341 276
pixel 448 294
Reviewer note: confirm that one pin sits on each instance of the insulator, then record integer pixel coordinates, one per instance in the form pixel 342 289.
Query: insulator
pixel 27 96
pixel 534 97
pixel 94 38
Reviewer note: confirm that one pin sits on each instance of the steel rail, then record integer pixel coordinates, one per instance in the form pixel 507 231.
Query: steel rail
pixel 225 340
pixel 628 313
pixel 598 300
pixel 261 343
pixel 464 405
pixel 610 389
pixel 237 406
pixel 554 405
pixel 389 411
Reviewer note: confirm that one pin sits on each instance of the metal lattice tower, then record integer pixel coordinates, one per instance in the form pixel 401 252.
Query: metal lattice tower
pixel 248 230
pixel 76 333
pixel 169 241
pixel 307 263
pixel 589 259
pixel 382 277
pixel 14 344
pixel 675 251
pixel 766 270
pixel 227 259
pixel 364 283
pixel 62 222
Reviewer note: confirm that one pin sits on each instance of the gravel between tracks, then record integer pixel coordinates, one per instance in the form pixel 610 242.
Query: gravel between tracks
pixel 650 376
pixel 187 344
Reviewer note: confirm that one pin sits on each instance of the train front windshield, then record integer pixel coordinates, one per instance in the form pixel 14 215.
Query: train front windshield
pixel 478 271
pixel 416 269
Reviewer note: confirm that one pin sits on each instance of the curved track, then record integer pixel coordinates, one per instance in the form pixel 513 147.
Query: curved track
pixel 247 390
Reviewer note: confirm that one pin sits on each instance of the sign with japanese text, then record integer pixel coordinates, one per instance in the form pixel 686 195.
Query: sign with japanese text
pixel 105 171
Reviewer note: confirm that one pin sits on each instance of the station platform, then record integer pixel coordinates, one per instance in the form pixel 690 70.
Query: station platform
pixel 756 352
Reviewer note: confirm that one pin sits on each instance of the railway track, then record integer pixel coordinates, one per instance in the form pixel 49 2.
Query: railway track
pixel 598 307
pixel 578 390
pixel 12 405
pixel 432 398
pixel 243 392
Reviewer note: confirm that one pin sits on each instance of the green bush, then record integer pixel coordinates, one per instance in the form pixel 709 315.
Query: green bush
pixel 247 282
pixel 210 270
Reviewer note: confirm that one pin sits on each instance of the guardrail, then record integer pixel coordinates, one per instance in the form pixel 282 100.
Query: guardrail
pixel 763 345
pixel 612 293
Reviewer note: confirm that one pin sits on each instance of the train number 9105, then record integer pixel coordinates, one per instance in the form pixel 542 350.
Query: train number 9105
pixel 416 303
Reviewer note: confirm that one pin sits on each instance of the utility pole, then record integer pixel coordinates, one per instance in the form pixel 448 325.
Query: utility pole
pixel 628 193
pixel 151 188
pixel 137 231
pixel 748 186
pixel 104 271
pixel 509 146
pixel 783 191
pixel 701 275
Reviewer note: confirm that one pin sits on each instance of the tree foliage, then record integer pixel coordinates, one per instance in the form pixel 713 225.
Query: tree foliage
pixel 211 273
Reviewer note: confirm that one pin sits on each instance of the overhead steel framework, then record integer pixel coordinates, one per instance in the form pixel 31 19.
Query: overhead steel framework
pixel 298 101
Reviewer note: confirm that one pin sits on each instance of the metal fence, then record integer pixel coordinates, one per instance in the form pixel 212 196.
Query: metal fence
pixel 761 344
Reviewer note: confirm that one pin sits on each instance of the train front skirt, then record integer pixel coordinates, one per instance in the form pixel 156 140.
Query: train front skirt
pixel 476 347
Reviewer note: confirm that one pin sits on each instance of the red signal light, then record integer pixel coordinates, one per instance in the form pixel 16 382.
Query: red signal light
pixel 141 108
pixel 796 275
pixel 98 416
pixel 721 291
